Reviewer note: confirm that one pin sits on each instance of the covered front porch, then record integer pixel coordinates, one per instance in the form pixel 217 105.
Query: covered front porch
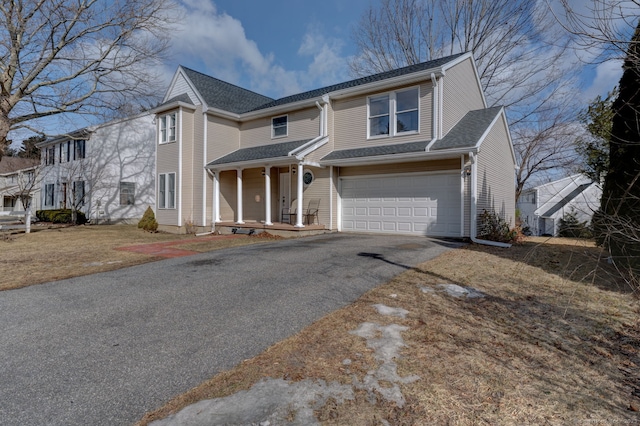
pixel 270 189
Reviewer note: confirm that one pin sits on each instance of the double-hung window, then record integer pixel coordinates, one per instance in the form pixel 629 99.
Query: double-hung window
pixel 48 194
pixel 168 128
pixel 167 191
pixel 127 193
pixel 279 128
pixel 394 113
pixel 79 149
pixel 50 155
pixel 78 193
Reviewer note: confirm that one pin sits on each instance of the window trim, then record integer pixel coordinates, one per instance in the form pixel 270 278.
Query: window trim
pixel 166 192
pixel 163 121
pixel 130 193
pixel 393 113
pixel 49 194
pixel 286 127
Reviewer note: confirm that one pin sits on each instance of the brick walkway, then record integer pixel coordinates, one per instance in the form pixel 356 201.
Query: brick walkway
pixel 167 250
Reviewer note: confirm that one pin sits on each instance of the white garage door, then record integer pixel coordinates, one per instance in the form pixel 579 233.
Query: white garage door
pixel 415 204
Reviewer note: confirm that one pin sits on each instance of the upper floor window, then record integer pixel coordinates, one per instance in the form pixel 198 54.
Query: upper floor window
pixel 79 149
pixel 279 127
pixel 50 155
pixel 168 128
pixel 394 113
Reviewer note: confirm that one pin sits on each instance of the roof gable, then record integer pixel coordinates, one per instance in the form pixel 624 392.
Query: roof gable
pixel 222 95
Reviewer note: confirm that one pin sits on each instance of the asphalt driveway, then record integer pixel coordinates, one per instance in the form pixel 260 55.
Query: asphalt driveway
pixel 104 349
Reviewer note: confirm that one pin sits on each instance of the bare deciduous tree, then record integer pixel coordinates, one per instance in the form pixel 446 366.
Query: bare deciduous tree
pixel 520 53
pixel 85 57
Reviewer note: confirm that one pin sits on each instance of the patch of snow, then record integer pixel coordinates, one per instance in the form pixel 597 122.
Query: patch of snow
pixel 387 347
pixel 459 291
pixel 387 310
pixel 267 402
pixel 454 290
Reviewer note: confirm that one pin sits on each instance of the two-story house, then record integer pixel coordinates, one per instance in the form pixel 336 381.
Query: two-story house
pixel 414 150
pixel 106 171
pixel 543 206
pixel 18 184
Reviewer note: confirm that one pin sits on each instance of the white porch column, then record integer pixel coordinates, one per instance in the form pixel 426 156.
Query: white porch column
pixel 239 220
pixel 216 197
pixel 299 223
pixel 267 195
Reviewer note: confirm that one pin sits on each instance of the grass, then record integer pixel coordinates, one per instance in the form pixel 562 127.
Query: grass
pixel 555 340
pixel 48 254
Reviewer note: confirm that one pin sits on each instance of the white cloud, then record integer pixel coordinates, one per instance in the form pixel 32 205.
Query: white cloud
pixel 607 76
pixel 328 67
pixel 218 43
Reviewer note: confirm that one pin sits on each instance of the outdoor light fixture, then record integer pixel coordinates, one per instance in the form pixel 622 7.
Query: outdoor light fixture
pixel 263 173
pixel 467 170
pixel 293 170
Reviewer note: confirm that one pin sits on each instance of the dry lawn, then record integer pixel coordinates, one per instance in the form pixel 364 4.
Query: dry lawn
pixel 53 253
pixel 554 341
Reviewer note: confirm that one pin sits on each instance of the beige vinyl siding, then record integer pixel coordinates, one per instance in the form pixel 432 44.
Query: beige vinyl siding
pixel 350 121
pixel 301 124
pixel 223 137
pixel 496 174
pixel 415 167
pixel 167 162
pixel 196 168
pixel 319 188
pixel 228 195
pixel 461 94
pixel 185 187
pixel 182 87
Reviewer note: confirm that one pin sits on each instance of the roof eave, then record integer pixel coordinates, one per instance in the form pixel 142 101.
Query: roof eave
pixel 172 105
pixel 395 158
pixel 388 83
pixel 261 162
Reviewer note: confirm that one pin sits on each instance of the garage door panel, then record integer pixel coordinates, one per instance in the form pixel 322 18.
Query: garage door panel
pixel 419 204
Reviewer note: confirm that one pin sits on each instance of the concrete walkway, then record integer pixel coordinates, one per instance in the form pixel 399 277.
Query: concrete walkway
pixel 103 349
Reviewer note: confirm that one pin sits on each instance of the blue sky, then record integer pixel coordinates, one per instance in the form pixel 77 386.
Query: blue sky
pixel 280 47
pixel 275 47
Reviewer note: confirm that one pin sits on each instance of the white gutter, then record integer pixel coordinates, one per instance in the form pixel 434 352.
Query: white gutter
pixel 474 207
pixel 392 158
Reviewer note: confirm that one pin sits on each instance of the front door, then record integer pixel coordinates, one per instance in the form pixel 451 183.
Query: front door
pixel 285 192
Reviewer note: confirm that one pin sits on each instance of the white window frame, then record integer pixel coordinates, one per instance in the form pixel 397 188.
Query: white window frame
pixel 168 128
pixel 167 191
pixel 393 113
pixel 286 127
pixel 128 189
pixel 49 192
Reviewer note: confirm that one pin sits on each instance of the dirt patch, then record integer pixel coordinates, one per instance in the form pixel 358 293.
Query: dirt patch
pixel 550 336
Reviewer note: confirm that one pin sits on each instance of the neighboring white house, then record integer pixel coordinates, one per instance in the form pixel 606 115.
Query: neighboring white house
pixel 542 207
pixel 18 184
pixel 106 171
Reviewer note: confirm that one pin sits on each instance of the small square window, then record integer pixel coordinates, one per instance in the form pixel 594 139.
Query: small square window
pixel 279 127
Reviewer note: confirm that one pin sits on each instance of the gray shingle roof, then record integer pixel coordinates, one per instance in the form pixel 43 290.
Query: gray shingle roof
pixel 360 81
pixel 180 98
pixel 567 198
pixel 276 150
pixel 468 131
pixel 226 96
pixel 373 151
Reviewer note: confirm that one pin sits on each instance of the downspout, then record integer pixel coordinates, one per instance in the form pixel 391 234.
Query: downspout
pixel 474 208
